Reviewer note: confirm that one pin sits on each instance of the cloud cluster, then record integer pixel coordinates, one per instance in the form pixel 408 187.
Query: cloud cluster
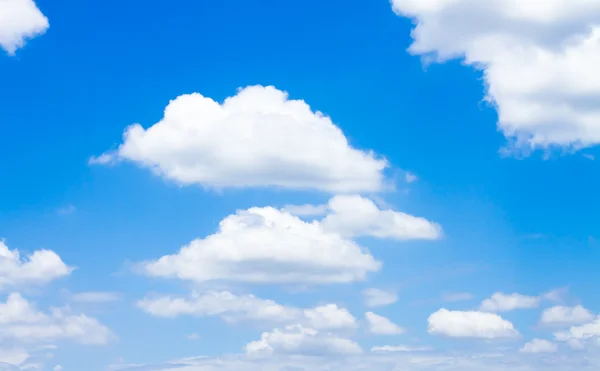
pixel 20 20
pixel 538 58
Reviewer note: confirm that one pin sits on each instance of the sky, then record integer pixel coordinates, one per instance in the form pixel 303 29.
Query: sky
pixel 401 185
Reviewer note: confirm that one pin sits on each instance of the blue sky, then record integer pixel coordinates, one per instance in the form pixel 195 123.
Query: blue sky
pixel 450 171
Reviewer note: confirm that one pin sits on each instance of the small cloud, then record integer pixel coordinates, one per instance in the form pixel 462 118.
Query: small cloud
pixel 69 209
pixel 453 297
pixel 95 297
pixel 589 157
pixel 107 158
pixel 410 177
pixel 193 336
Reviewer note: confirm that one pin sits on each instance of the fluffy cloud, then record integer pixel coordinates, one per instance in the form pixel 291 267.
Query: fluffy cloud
pixel 20 321
pixel 296 339
pixel 235 308
pixel 539 346
pixel 500 302
pixel 470 325
pixel 577 334
pixel 561 315
pixel 38 268
pixel 266 245
pixel 353 216
pixel 382 326
pixel 539 61
pixel 375 298
pixel 13 356
pixel 256 138
pixel 399 348
pixel 20 20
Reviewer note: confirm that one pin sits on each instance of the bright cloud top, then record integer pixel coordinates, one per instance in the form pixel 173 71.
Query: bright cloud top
pixel 20 321
pixel 20 20
pixel 266 245
pixel 539 60
pixel 41 267
pixel 561 315
pixel 256 138
pixel 470 325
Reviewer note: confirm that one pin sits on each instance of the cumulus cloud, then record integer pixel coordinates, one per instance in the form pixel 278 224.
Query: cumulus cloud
pixel 561 315
pixel 354 216
pixel 20 20
pixel 539 346
pixel 13 356
pixel 500 302
pixel 257 138
pixel 399 348
pixel 375 298
pixel 296 339
pixel 235 308
pixel 20 321
pixel 41 267
pixel 539 61
pixel 470 324
pixel 266 245
pixel 579 334
pixel 382 326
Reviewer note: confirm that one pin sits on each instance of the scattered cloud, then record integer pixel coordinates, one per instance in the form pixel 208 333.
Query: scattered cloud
pixel 539 346
pixel 266 245
pixel 20 321
pixel 579 334
pixel 562 315
pixel 296 339
pixel 410 178
pixel 400 348
pixel 41 267
pixel 382 326
pixel 500 302
pixel 330 317
pixel 470 324
pixel 375 298
pixel 20 20
pixel 257 138
pixel 538 59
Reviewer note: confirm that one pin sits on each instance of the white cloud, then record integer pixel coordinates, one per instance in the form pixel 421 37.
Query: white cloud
pixel 20 20
pixel 234 308
pixel 230 307
pixel 20 321
pixel 305 210
pixel 13 356
pixel 399 348
pixel 410 178
pixel 39 268
pixel 382 326
pixel 539 346
pixel 580 333
pixel 561 315
pixel 330 317
pixel 256 138
pixel 470 325
pixel 193 336
pixel 266 245
pixel 95 297
pixel 354 215
pixel 539 61
pixel 375 298
pixel 500 302
pixel 58 368
pixel 296 339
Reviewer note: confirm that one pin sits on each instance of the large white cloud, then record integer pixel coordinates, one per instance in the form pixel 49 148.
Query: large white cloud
pixel 21 321
pixel 539 60
pixel 256 138
pixel 354 215
pixel 500 302
pixel 470 324
pixel 20 20
pixel 382 326
pixel 296 339
pixel 266 245
pixel 562 315
pixel 38 268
